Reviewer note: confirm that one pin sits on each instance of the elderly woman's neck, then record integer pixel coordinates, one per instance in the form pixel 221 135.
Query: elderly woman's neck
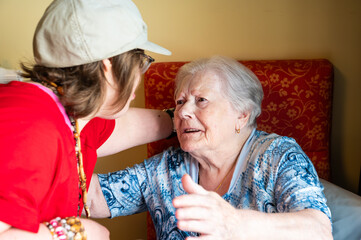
pixel 217 166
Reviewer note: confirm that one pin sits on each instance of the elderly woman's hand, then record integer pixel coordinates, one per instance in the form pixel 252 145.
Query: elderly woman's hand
pixel 205 212
pixel 210 215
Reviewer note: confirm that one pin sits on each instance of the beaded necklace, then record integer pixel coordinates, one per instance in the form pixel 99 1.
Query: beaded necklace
pixel 58 90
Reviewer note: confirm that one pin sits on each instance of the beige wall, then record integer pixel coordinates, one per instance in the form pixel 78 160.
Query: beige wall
pixel 258 29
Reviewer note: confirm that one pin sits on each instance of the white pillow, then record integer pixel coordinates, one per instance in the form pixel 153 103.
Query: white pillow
pixel 345 208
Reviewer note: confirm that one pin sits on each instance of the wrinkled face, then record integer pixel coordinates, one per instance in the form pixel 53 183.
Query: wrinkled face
pixel 107 110
pixel 205 120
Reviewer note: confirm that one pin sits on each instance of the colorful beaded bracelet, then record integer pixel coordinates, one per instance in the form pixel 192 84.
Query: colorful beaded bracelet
pixel 69 228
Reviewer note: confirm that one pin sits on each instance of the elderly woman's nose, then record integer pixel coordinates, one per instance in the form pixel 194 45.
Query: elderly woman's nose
pixel 186 110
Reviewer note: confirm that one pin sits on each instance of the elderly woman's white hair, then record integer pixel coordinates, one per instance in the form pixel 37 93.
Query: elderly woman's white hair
pixel 240 85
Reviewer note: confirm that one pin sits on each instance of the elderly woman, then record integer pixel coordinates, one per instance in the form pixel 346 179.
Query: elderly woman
pixel 241 183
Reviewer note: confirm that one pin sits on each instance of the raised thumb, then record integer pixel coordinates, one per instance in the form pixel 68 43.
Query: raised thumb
pixel 191 187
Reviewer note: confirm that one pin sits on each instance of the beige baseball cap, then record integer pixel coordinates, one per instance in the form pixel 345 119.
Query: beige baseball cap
pixel 76 32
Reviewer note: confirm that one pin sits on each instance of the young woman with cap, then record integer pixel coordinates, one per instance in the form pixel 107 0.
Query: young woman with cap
pixel 89 58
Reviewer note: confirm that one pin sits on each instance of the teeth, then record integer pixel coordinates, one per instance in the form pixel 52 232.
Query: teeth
pixel 191 130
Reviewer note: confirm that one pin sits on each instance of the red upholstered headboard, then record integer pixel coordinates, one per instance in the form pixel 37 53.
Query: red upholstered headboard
pixel 297 103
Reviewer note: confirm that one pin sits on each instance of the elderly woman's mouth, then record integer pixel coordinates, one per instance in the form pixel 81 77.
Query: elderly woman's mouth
pixel 191 130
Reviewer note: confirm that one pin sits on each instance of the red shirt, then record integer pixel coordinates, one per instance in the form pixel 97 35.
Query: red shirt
pixel 38 167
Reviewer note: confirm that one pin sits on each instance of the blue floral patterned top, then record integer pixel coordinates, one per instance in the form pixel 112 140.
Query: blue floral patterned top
pixel 272 174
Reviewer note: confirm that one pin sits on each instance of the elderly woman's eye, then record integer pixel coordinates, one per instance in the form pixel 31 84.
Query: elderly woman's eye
pixel 201 99
pixel 178 102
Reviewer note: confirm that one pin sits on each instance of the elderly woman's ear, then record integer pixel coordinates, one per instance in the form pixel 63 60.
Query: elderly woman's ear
pixel 242 120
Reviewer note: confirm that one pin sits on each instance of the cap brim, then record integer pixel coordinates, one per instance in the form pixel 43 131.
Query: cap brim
pixel 152 47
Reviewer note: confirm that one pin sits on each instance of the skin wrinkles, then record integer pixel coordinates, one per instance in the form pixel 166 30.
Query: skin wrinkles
pixel 206 121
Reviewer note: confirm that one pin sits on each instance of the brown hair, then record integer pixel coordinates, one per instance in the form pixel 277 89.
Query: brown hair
pixel 84 85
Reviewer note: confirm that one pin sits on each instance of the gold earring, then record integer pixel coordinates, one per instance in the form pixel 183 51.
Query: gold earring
pixel 238 130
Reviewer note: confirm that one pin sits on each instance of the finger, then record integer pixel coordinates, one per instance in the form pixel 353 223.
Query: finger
pixel 194 200
pixel 192 213
pixel 191 187
pixel 202 227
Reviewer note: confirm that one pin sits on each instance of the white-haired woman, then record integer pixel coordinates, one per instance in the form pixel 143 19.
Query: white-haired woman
pixel 241 183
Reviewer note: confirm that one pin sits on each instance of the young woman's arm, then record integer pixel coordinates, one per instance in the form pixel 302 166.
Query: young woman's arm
pixel 97 204
pixel 138 126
